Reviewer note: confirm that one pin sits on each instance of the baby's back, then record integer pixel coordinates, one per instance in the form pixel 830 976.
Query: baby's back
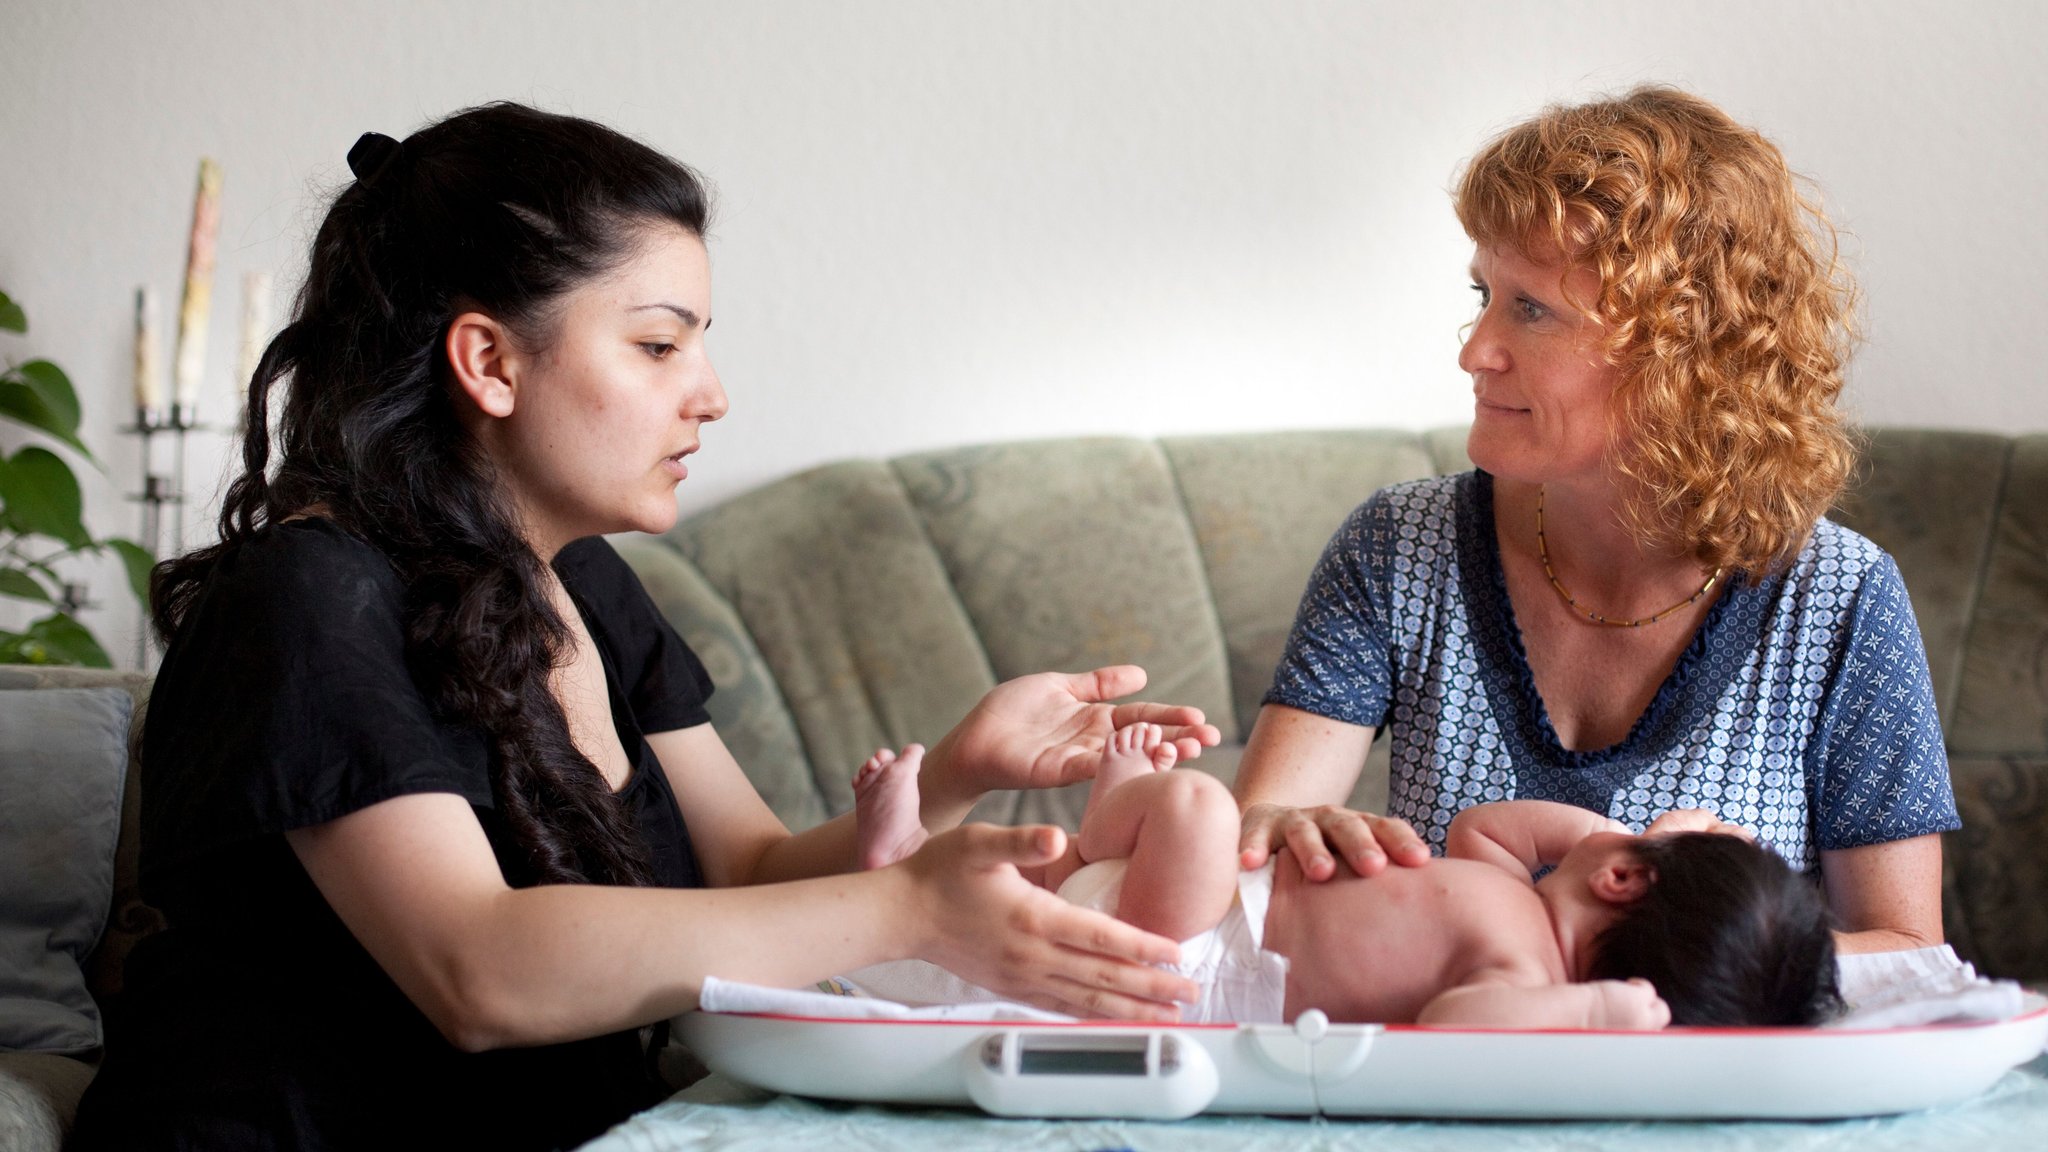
pixel 1379 948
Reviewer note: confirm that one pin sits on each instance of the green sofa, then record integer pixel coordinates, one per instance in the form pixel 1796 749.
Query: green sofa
pixel 872 602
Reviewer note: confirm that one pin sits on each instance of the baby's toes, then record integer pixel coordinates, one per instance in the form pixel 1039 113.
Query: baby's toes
pixel 1164 756
pixel 872 769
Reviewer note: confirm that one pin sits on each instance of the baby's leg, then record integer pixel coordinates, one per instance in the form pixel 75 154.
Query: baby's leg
pixel 885 807
pixel 1133 751
pixel 1179 830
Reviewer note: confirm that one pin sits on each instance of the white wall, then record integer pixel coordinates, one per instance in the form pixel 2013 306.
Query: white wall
pixel 942 223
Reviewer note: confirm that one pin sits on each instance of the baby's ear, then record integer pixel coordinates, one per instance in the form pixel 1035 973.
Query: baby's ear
pixel 1623 881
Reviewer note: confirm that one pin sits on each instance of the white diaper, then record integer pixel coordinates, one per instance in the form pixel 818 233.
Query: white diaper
pixel 1241 982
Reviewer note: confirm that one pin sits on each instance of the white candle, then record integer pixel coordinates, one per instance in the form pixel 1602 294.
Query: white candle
pixel 149 384
pixel 255 322
pixel 198 301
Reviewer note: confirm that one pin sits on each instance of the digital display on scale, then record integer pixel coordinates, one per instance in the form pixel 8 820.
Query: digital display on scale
pixel 1121 1056
pixel 1080 1062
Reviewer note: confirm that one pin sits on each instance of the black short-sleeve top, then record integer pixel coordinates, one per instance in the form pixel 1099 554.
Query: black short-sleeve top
pixel 285 701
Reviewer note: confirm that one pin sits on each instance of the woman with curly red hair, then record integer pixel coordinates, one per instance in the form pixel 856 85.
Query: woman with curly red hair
pixel 1634 603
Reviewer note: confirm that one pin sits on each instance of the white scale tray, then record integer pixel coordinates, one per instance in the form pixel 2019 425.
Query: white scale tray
pixel 1313 1066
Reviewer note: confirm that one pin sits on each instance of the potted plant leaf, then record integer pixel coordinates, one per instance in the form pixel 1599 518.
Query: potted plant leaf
pixel 42 515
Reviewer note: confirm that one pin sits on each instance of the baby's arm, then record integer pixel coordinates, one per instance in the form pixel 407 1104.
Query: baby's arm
pixel 1497 1000
pixel 1522 836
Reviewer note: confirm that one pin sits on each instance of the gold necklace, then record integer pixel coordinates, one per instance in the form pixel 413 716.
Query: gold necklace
pixel 1543 551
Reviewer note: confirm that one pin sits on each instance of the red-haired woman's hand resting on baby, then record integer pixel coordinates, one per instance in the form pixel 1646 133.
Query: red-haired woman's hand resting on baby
pixel 1366 842
pixel 977 917
pixel 1627 1006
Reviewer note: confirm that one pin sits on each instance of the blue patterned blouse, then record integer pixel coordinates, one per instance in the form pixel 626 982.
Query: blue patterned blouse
pixel 1802 708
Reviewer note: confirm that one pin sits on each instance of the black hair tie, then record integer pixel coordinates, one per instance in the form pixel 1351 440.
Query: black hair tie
pixel 371 156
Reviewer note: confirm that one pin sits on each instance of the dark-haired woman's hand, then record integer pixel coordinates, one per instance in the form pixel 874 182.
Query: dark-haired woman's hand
pixel 1044 731
pixel 984 922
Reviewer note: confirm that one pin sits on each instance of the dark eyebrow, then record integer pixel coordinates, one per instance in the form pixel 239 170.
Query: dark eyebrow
pixel 688 317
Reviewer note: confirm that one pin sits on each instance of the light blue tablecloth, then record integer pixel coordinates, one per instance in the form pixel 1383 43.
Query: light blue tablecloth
pixel 717 1114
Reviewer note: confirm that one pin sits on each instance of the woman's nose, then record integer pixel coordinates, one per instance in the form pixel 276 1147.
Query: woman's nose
pixel 1481 352
pixel 708 401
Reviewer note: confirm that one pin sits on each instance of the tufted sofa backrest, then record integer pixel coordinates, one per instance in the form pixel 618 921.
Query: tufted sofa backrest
pixel 871 602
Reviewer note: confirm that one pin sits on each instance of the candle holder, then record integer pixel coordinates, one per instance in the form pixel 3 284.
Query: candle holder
pixel 160 490
pixel 75 597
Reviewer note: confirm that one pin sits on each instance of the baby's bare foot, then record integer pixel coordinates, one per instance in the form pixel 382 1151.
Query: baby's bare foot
pixel 1133 751
pixel 885 805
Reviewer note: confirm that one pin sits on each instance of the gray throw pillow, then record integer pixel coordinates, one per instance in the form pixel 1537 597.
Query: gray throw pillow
pixel 63 761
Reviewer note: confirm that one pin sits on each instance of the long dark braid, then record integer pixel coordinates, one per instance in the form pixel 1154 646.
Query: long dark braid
pixel 500 208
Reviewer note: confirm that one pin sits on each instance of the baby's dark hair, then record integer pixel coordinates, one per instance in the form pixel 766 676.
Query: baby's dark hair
pixel 1728 934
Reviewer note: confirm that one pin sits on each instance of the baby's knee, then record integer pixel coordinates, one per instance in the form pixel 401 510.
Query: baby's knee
pixel 1195 798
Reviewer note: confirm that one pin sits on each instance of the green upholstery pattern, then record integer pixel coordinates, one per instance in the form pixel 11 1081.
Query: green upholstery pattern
pixel 1072 554
pixel 851 611
pixel 1257 547
pixel 2002 708
pixel 747 709
pixel 1995 870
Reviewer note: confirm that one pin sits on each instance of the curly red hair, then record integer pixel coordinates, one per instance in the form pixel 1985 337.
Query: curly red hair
pixel 1724 302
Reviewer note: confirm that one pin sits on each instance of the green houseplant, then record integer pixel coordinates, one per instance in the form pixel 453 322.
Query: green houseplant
pixel 42 515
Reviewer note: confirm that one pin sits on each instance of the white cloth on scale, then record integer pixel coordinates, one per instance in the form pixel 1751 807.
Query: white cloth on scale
pixel 1881 990
pixel 1920 986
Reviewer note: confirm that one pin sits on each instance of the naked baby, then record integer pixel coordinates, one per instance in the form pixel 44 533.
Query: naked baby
pixel 1689 923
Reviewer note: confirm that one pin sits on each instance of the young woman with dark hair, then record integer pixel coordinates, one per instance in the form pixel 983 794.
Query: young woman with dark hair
pixel 432 806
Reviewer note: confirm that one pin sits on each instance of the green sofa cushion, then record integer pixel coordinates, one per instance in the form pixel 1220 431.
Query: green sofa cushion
pixel 1073 554
pixel 63 760
pixel 2002 706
